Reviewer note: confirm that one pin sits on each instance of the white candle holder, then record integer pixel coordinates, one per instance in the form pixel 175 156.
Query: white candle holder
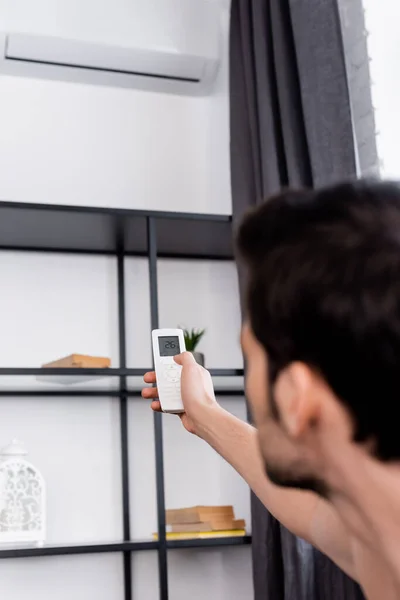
pixel 22 498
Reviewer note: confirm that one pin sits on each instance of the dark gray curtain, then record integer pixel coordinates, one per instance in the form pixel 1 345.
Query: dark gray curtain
pixel 291 124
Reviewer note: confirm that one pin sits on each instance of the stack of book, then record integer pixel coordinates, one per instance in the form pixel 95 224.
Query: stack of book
pixel 201 522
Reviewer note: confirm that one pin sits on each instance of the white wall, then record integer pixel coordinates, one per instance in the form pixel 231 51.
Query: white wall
pixel 382 20
pixel 63 579
pixel 85 145
pixel 69 143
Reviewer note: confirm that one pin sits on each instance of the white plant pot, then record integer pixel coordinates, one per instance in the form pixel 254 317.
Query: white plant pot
pixel 199 358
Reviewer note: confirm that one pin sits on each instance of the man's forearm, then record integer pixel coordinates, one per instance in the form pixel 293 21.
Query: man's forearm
pixel 236 441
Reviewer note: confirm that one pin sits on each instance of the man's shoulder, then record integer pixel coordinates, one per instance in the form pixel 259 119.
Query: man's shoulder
pixel 362 562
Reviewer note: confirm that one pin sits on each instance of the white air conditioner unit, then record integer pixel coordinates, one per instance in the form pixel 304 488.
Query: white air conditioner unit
pixel 188 64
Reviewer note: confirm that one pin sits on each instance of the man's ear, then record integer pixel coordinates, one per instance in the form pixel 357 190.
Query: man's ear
pixel 295 393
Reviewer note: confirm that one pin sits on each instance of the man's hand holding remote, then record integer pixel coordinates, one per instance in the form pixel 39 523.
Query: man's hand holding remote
pixel 197 394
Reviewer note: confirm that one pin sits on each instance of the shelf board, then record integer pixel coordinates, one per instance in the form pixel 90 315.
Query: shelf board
pixel 64 549
pixel 226 372
pixel 26 226
pixel 109 547
pixel 83 393
pixel 73 372
pixel 110 372
pixel 209 542
pixel 73 382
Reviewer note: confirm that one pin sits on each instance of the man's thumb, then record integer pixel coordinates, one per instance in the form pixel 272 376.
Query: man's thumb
pixel 186 358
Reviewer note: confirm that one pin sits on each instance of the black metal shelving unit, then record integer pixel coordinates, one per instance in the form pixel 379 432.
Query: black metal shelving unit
pixel 120 233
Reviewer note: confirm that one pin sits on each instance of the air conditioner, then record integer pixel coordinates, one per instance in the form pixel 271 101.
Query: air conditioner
pixel 187 64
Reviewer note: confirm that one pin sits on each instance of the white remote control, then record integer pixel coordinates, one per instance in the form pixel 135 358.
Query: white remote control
pixel 167 343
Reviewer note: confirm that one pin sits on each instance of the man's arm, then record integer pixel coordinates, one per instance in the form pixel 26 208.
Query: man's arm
pixel 304 513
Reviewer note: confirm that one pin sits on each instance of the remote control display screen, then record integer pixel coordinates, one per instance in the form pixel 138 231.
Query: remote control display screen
pixel 169 345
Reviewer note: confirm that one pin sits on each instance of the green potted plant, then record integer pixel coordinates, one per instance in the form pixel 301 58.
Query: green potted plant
pixel 192 339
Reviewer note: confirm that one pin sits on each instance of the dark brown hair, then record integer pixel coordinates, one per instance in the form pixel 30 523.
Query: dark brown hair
pixel 324 288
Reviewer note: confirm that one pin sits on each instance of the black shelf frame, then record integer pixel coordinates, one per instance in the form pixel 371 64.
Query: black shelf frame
pixel 120 233
pixel 126 547
pixel 111 372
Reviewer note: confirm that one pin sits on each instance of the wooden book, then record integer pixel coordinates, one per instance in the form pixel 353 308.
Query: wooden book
pixel 202 535
pixel 199 514
pixel 210 526
pixel 81 361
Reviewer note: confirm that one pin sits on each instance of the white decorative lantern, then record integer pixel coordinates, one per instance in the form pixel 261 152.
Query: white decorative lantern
pixel 22 498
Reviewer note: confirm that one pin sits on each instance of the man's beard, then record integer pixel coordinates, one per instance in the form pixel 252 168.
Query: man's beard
pixel 284 477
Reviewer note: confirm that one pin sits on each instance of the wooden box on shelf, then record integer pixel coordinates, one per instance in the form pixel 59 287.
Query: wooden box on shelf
pixel 79 361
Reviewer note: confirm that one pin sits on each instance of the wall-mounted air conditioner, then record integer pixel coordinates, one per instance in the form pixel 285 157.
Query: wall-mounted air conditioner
pixel 187 63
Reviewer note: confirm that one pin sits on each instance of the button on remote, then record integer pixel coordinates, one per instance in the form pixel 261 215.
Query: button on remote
pixel 171 374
